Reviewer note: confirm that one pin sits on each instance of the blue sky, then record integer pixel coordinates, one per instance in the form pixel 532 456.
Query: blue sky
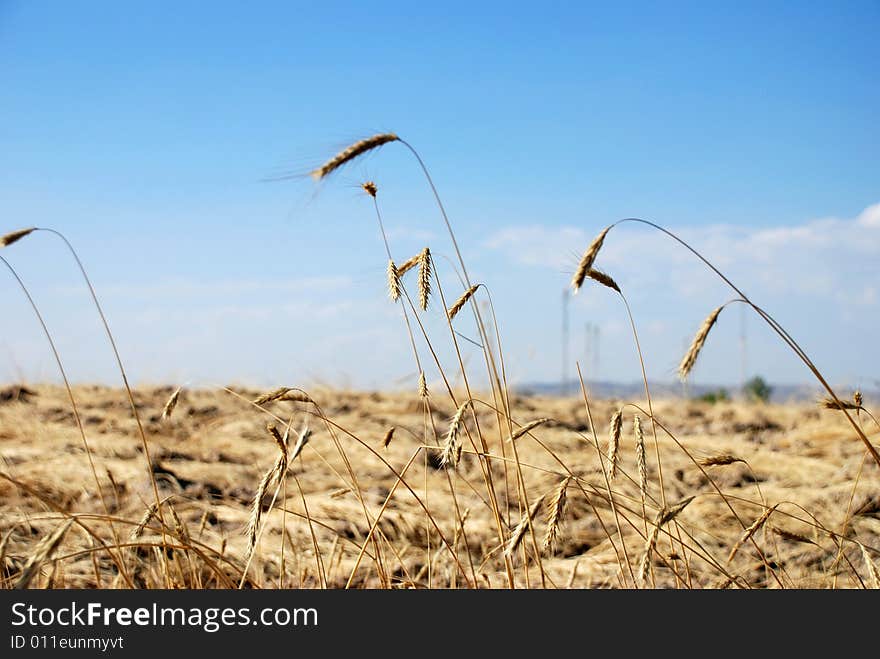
pixel 144 132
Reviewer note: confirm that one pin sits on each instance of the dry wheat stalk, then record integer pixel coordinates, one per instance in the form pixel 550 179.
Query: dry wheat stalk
pixel 389 435
pixel 555 512
pixel 587 260
pixel 529 427
pixel 370 188
pixel 424 278
pixel 423 385
pixel 641 457
pixel 393 281
pixel 460 302
pixel 520 531
pixel 872 569
pixel 719 460
pixel 43 552
pixel 171 404
pixel 452 445
pixel 690 357
pixel 352 152
pixel 750 531
pixel 614 429
pixel 664 516
pixel 602 278
pixel 14 236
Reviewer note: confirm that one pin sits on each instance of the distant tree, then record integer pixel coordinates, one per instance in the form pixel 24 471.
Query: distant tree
pixel 757 389
pixel 717 396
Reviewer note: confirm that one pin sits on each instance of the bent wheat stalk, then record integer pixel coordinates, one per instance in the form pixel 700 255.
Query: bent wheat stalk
pixel 596 245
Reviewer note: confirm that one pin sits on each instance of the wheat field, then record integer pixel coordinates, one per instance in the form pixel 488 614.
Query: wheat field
pixel 452 484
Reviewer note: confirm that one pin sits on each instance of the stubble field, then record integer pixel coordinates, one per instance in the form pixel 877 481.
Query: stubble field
pixel 351 512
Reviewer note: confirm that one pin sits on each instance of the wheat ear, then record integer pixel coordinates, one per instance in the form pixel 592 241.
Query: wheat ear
pixel 170 404
pixel 750 531
pixel 352 152
pixel 529 427
pixel 719 460
pixel 520 531
pixel 555 513
pixel 408 265
pixel 614 429
pixel 460 302
pixel 690 357
pixel 393 281
pixel 43 552
pixel 602 278
pixel 664 516
pixel 587 260
pixel 424 278
pixel 641 457
pixel 451 452
pixel 872 568
pixel 14 236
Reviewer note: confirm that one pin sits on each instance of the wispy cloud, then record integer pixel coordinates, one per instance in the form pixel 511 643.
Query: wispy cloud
pixel 829 257
pixel 179 287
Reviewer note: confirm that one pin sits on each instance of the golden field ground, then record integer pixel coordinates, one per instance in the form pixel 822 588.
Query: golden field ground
pixel 431 526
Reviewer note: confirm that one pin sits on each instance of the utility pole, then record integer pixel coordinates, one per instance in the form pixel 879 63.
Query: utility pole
pixel 563 385
pixel 743 353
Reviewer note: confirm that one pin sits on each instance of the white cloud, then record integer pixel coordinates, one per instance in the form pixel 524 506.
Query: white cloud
pixel 168 288
pixel 830 257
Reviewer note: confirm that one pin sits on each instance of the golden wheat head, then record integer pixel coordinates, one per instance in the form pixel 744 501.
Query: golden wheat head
pixel 641 457
pixel 171 403
pixel 463 300
pixel 690 357
pixel 555 513
pixel 451 452
pixel 614 429
pixel 393 281
pixel 719 460
pixel 524 430
pixel 408 265
pixel 15 236
pixel 424 278
pixel 43 551
pixel 750 531
pixel 520 531
pixel 664 516
pixel 352 152
pixel 602 278
pixel 587 260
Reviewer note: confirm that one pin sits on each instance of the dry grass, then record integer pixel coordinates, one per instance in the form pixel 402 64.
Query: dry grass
pixel 211 454
pixel 203 490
